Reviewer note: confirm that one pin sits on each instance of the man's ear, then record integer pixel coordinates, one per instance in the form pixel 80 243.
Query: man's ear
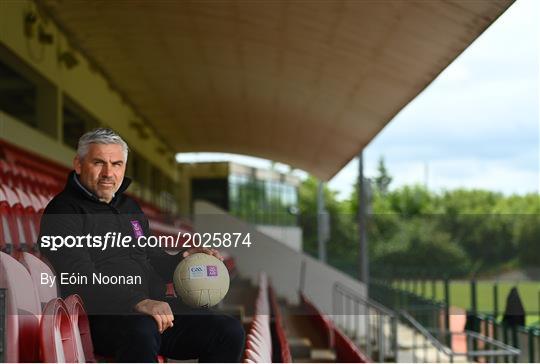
pixel 77 164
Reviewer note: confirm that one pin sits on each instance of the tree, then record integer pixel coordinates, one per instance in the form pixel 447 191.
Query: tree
pixel 383 179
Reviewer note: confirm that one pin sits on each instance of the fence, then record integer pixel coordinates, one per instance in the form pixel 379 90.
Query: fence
pixel 486 350
pixel 435 314
pixel 527 339
pixel 428 312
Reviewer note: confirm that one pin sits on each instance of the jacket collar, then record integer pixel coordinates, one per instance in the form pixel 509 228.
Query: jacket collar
pixel 74 184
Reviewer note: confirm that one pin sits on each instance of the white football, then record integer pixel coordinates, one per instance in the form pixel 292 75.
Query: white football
pixel 201 280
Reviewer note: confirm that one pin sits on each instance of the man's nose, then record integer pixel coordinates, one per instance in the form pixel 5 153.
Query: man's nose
pixel 106 170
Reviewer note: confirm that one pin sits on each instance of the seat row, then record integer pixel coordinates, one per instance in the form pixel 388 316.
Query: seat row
pixel 258 347
pixel 282 352
pixel 17 176
pixel 20 214
pixel 39 325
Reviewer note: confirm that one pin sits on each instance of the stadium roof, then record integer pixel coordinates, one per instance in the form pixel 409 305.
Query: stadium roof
pixel 307 83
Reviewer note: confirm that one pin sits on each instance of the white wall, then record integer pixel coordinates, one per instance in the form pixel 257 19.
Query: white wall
pixel 288 235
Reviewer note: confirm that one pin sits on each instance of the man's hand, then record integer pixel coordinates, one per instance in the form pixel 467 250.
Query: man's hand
pixel 159 310
pixel 213 252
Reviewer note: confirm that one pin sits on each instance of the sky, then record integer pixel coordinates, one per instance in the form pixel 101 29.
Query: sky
pixel 476 126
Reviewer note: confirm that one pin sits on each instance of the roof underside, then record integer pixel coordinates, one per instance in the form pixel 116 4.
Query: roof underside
pixel 307 83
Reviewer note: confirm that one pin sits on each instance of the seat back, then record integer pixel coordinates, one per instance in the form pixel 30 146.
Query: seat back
pixel 28 220
pixel 6 238
pixel 15 219
pixel 37 267
pixel 81 329
pixel 23 311
pixel 57 339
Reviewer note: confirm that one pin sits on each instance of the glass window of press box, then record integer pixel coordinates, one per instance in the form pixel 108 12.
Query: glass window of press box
pixel 264 202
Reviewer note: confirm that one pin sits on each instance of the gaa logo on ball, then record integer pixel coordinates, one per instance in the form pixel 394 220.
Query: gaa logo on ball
pixel 201 280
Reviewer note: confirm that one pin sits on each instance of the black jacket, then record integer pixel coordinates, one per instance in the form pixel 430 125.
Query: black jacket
pixel 77 212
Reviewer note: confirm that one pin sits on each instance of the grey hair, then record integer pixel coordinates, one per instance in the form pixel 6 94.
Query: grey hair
pixel 100 136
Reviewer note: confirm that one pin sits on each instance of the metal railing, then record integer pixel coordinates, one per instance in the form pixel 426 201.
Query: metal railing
pixel 478 346
pixel 527 339
pixel 372 326
pixel 428 312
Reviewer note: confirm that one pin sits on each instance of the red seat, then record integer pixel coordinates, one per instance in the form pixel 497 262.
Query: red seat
pixel 36 267
pixel 23 311
pixel 6 237
pixel 322 321
pixel 57 339
pixel 282 345
pixel 347 351
pixel 37 203
pixel 30 220
pixel 81 328
pixel 259 337
pixel 7 171
pixel 15 219
pixel 44 199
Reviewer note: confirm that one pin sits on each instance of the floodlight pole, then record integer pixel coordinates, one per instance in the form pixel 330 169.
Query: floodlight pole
pixel 362 223
pixel 321 233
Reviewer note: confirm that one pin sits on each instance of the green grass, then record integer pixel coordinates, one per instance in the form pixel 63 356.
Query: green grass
pixel 460 296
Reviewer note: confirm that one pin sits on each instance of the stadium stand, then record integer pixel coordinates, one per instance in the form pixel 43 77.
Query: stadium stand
pixel 54 330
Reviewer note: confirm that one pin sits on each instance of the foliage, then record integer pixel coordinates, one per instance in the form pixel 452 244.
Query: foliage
pixel 412 230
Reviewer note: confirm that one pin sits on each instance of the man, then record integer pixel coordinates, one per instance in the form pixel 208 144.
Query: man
pixel 132 320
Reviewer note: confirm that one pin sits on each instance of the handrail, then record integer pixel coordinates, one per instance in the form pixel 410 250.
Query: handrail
pixel 503 349
pixel 494 342
pixel 426 333
pixel 374 330
pixel 374 304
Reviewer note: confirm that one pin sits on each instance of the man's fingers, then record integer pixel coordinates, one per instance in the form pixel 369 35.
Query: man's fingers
pixel 167 321
pixel 170 318
pixel 216 254
pixel 213 252
pixel 158 321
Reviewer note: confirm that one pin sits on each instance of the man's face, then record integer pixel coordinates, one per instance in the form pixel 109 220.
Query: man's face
pixel 102 170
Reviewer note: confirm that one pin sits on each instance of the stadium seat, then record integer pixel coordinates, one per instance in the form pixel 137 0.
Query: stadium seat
pixel 36 267
pixel 23 311
pixel 6 237
pixel 15 219
pixel 57 339
pixel 29 220
pixel 44 199
pixel 36 202
pixel 8 173
pixel 346 350
pixel 81 328
pixel 282 344
pixel 259 337
pixel 323 322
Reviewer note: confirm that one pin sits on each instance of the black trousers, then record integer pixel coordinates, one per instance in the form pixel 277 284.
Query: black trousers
pixel 196 334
